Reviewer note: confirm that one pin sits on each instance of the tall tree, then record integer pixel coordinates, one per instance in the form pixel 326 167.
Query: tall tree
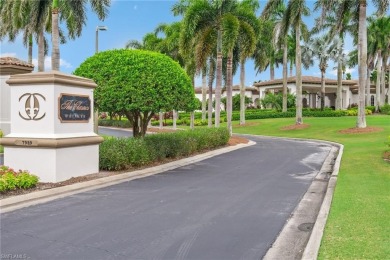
pixel 379 39
pixel 359 8
pixel 74 13
pixel 336 28
pixel 295 11
pixel 322 49
pixel 216 19
pixel 280 40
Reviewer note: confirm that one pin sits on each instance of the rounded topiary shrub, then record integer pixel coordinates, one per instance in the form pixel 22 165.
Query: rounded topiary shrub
pixel 138 84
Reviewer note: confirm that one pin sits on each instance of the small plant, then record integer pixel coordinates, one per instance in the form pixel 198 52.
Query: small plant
pixel 11 180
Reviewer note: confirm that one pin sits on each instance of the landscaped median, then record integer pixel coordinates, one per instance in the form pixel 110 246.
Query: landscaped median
pixel 358 224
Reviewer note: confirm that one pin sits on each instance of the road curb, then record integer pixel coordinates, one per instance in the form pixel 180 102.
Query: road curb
pixel 34 198
pixel 312 247
pixel 314 243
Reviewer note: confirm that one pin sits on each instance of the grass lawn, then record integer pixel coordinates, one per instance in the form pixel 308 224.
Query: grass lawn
pixel 358 226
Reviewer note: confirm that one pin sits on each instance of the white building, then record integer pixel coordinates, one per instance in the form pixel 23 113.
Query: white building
pixel 311 91
pixel 250 92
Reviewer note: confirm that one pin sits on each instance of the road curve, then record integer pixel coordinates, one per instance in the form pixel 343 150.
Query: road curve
pixel 231 206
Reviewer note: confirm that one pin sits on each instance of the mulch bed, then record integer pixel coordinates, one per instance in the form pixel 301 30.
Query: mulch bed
pixel 355 130
pixel 44 186
pixel 386 156
pixel 295 127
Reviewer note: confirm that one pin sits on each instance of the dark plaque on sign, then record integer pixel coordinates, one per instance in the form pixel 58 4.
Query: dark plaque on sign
pixel 74 108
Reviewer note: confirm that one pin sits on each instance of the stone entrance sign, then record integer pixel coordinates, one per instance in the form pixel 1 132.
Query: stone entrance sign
pixel 51 126
pixel 9 66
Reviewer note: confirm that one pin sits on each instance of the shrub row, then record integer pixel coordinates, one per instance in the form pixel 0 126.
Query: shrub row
pixel 115 123
pixel 122 153
pixel 11 180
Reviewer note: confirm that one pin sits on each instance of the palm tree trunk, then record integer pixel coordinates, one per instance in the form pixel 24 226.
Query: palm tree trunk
pixel 298 67
pixel 229 79
pixel 339 93
pixel 291 68
pixel 368 88
pixel 242 92
pixel 285 52
pixel 272 71
pixel 361 120
pixel 204 94
pixel 211 79
pixel 322 90
pixel 41 51
pixel 55 56
pixel 378 81
pixel 383 79
pixel 219 79
pixel 30 47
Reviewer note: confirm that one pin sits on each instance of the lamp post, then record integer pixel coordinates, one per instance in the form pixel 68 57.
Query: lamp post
pixel 99 28
pixel 96 117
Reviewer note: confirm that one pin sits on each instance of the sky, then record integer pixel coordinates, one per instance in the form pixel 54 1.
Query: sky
pixel 131 20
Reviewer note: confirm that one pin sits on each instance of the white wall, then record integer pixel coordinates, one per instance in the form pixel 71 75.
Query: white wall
pixel 5 98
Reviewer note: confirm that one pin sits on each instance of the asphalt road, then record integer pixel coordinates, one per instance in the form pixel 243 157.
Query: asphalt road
pixel 115 132
pixel 231 206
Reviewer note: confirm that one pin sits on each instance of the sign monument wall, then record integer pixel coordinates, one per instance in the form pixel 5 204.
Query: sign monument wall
pixel 52 126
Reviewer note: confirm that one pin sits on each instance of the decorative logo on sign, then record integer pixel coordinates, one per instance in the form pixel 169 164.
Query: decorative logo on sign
pixel 74 108
pixel 32 106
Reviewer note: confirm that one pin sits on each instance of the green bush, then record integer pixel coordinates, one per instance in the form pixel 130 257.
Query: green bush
pixel 115 123
pixel 11 180
pixel 385 109
pixel 122 153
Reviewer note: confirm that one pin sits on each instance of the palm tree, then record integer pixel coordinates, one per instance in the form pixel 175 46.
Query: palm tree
pixel 73 12
pixel 336 29
pixel 213 19
pixel 322 49
pixel 280 40
pixel 379 38
pixel 295 10
pixel 358 7
pixel 239 30
pixel 28 17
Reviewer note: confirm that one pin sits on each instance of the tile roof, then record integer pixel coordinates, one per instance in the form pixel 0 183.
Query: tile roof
pixel 198 90
pixel 305 79
pixel 14 61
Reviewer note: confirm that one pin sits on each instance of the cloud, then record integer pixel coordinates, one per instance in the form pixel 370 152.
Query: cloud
pixel 63 63
pixel 8 54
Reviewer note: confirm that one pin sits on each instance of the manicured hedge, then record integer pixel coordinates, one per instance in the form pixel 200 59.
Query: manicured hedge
pixel 123 153
pixel 11 180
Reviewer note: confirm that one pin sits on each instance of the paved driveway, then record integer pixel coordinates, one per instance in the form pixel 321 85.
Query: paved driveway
pixel 231 206
pixel 115 132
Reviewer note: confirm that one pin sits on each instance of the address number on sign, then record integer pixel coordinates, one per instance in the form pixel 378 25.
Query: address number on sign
pixel 26 142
